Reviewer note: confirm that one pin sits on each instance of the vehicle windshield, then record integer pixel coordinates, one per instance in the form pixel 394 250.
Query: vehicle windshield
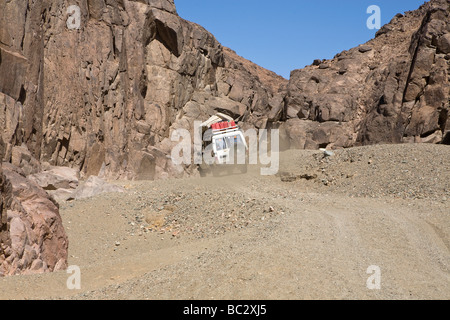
pixel 235 141
pixel 230 141
pixel 220 144
pixel 238 140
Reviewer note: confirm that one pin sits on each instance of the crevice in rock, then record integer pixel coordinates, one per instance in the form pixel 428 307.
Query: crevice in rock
pixel 442 122
pixel 100 136
pixel 24 27
pixel 427 134
pixel 143 84
pixel 167 37
pixel 115 50
pixel 64 145
pixel 415 46
pixel 22 95
pixel 155 29
pixel 446 139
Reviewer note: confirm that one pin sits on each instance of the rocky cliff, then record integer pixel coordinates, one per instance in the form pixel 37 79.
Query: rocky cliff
pixel 104 98
pixel 393 89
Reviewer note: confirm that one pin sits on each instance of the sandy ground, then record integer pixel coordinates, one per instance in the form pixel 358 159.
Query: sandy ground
pixel 310 232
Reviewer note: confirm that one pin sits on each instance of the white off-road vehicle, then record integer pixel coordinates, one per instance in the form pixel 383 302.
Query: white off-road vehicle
pixel 224 146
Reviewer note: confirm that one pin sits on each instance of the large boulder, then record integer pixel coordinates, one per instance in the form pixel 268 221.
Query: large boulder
pixel 56 178
pixel 32 237
pixel 93 186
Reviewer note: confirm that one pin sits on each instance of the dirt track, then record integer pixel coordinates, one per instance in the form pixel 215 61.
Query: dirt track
pixel 258 237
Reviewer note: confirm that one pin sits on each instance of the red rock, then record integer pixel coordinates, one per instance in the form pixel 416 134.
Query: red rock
pixel 32 237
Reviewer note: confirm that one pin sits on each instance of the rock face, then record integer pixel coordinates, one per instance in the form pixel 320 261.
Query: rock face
pixel 393 89
pixel 105 97
pixel 32 237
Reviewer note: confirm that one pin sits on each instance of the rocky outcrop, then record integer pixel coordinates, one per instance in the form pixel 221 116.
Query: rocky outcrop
pixel 32 237
pixel 393 89
pixel 105 97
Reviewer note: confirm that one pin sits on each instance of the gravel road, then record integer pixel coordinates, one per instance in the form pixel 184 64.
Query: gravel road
pixel 310 232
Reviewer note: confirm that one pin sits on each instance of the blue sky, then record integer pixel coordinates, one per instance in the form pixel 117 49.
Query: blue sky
pixel 289 34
